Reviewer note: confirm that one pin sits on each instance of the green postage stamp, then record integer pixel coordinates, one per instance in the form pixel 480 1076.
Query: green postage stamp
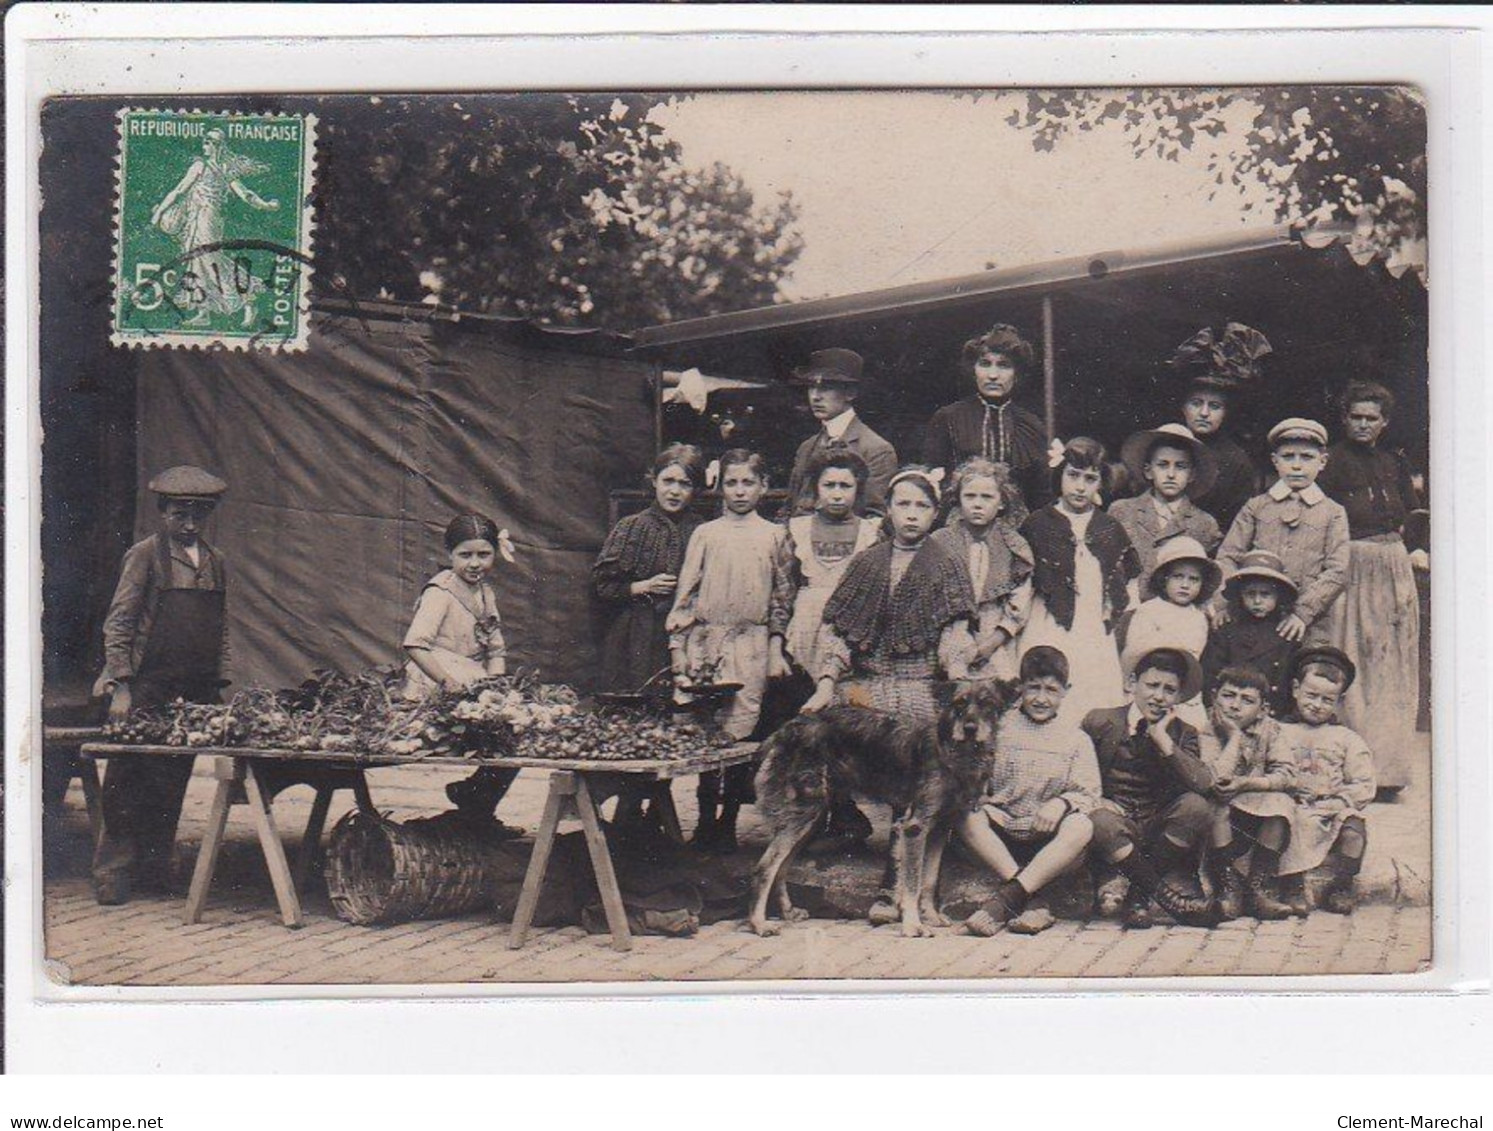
pixel 213 225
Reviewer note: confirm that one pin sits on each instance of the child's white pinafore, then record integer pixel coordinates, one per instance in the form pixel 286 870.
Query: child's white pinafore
pixel 1093 656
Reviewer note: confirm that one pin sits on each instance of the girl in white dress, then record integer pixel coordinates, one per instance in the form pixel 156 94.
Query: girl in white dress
pixel 1083 581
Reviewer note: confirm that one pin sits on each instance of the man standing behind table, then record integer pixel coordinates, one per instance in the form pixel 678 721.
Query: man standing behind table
pixel 165 638
pixel 833 378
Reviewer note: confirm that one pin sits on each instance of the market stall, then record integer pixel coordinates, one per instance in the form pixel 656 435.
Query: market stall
pixel 1103 323
pixel 328 732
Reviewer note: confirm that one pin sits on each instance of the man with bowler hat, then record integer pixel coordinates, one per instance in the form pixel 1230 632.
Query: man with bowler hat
pixel 833 379
pixel 165 638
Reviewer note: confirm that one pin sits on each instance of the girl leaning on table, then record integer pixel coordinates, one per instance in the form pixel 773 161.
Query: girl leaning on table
pixel 456 639
pixel 731 609
pixel 635 576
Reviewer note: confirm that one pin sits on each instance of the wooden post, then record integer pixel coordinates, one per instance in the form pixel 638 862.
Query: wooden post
pixel 658 408
pixel 1049 372
pixel 556 806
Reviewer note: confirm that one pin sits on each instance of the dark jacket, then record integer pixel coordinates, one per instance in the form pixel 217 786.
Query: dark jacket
pixel 1248 643
pixel 1375 487
pixel 1136 776
pixel 1054 570
pixel 1238 480
pixel 966 428
pixel 878 453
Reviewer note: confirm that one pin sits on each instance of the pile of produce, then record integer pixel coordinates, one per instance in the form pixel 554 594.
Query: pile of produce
pixel 615 735
pixel 503 715
pixel 330 711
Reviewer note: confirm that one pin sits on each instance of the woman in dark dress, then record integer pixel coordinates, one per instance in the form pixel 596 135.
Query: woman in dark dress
pixel 1215 369
pixel 990 424
pixel 635 576
pixel 638 568
pixel 1376 621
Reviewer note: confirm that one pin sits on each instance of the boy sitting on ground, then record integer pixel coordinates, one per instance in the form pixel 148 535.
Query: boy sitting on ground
pixel 1155 815
pixel 1334 782
pixel 1033 825
pixel 1253 771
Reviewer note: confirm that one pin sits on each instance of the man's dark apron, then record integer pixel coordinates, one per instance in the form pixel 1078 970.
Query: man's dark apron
pixel 142 796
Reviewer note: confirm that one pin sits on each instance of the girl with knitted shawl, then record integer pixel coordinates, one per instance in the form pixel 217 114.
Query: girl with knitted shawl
pixel 1085 577
pixel 884 622
pixel 999 563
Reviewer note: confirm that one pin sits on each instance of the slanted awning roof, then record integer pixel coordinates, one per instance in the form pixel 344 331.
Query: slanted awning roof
pixel 941 294
pixel 1116 315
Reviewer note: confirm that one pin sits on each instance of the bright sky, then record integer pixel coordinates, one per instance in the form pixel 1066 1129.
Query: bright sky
pixel 900 187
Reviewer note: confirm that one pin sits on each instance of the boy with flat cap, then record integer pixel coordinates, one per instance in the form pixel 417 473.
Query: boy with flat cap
pixel 165 638
pixel 1299 524
pixel 833 378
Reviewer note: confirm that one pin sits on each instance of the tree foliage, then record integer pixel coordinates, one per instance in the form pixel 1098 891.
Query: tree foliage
pixel 568 209
pixel 1331 153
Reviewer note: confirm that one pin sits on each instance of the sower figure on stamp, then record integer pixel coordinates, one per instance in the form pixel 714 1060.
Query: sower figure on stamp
pixel 192 214
pixel 165 638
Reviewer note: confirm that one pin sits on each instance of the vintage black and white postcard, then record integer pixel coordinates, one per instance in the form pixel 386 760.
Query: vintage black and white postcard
pixel 639 535
pixel 602 536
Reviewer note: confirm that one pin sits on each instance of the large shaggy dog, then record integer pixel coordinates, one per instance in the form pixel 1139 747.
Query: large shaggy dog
pixel 930 774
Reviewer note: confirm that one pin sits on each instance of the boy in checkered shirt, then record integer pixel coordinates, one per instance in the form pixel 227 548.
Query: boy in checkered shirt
pixel 1033 824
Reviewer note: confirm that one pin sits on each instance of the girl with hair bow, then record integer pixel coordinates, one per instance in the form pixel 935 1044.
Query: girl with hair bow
pixel 456 639
pixel 888 615
pixel 1083 578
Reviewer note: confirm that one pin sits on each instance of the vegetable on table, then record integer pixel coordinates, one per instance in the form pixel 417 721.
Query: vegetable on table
pixel 503 715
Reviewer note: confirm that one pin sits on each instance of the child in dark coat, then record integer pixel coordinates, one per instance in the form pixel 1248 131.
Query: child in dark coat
pixel 1156 812
pixel 1260 596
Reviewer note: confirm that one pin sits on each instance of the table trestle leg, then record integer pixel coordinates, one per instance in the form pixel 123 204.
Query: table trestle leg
pixel 274 850
pixel 212 839
pixel 601 861
pixel 560 799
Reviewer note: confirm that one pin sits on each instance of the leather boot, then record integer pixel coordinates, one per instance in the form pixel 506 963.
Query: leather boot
pixel 1264 899
pixel 1293 892
pixel 1139 913
pixel 1228 888
pixel 1151 877
pixel 1340 898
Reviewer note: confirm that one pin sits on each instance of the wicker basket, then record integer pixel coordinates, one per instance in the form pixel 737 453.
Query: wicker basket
pixel 381 871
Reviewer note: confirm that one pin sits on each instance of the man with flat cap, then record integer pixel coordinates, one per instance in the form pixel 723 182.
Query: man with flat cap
pixel 165 638
pixel 833 378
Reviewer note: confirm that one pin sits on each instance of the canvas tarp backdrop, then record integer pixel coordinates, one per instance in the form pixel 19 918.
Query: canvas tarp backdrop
pixel 346 462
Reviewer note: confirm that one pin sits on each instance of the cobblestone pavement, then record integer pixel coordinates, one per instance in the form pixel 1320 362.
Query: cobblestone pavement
pixel 241 941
